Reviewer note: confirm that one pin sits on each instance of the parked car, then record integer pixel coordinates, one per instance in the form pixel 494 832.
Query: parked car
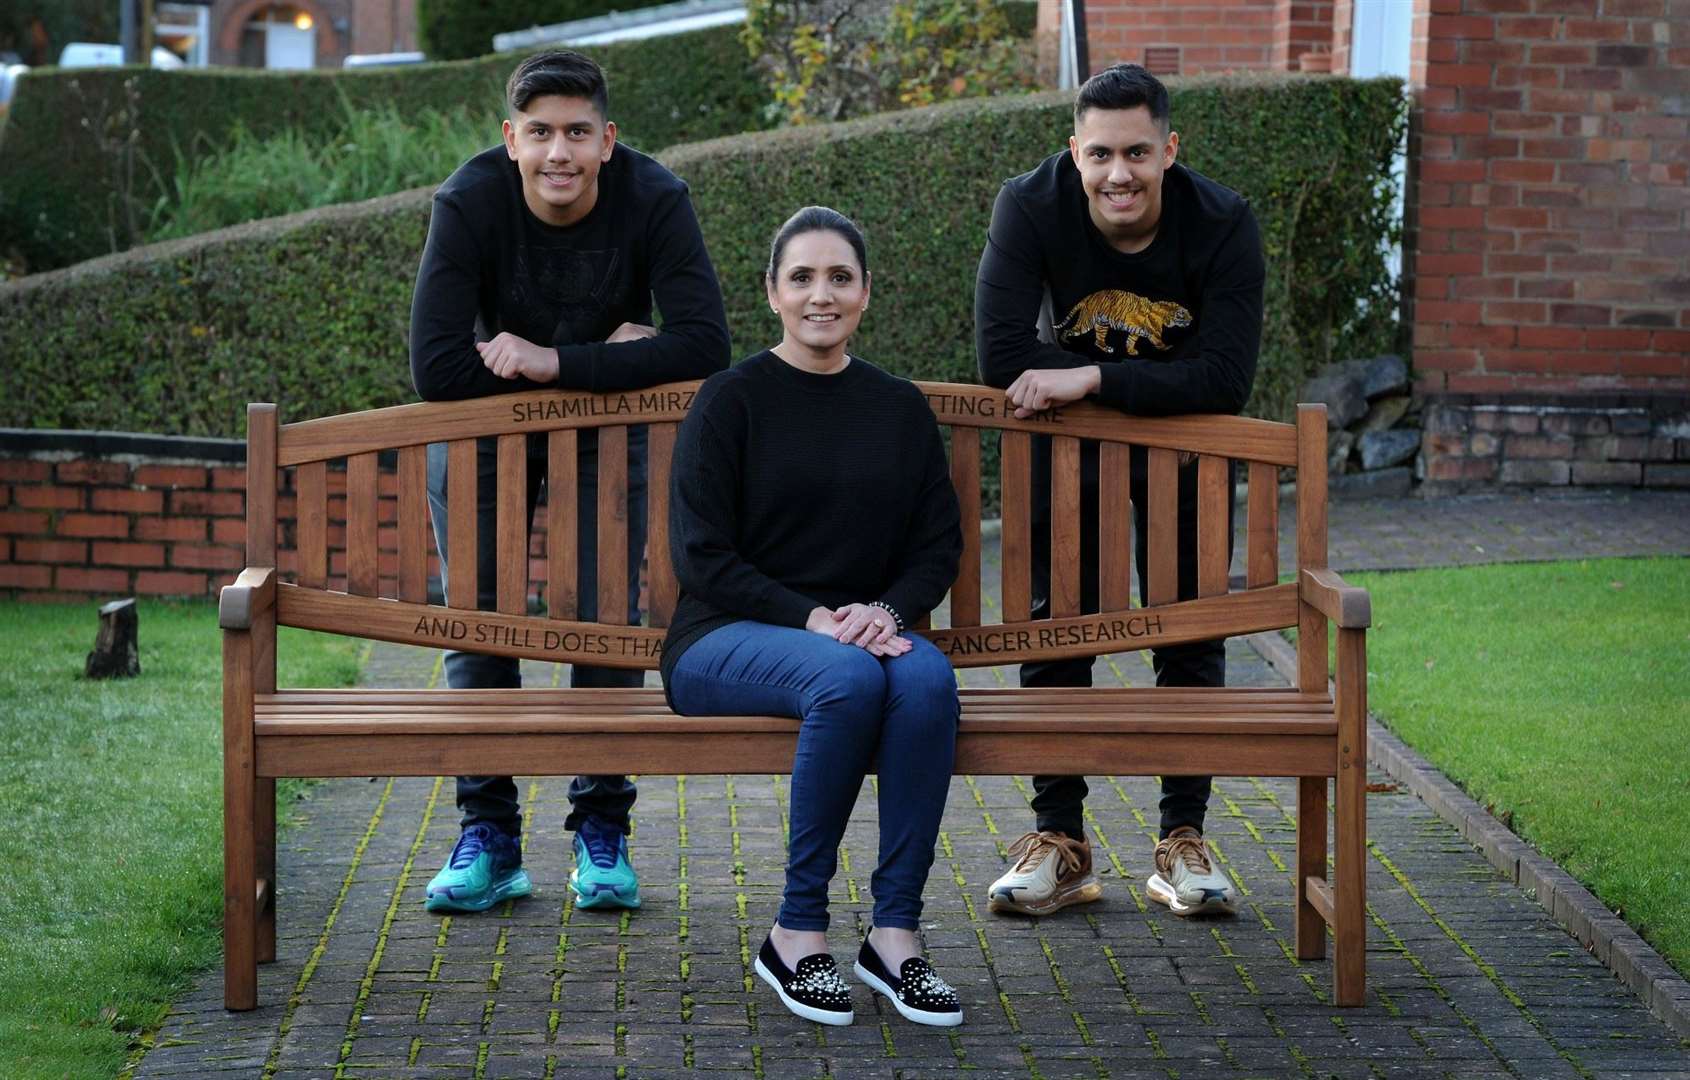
pixel 100 54
pixel 386 59
pixel 9 75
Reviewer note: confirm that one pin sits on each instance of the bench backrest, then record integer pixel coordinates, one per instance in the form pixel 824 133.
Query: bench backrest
pixel 379 588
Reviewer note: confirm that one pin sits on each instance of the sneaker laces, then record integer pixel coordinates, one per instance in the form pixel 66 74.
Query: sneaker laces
pixel 603 842
pixel 1033 847
pixel 471 843
pixel 1189 848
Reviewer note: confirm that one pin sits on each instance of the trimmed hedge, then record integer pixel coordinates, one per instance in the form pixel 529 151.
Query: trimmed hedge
pixel 74 123
pixel 312 310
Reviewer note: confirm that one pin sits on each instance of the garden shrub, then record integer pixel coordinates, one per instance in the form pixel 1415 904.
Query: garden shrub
pixel 312 311
pixel 378 151
pixel 120 131
pixel 838 59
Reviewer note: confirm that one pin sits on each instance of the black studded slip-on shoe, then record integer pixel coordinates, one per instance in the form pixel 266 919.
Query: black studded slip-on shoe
pixel 916 991
pixel 815 991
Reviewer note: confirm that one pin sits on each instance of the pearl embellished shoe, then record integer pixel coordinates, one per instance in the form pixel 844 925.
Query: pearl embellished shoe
pixel 916 991
pixel 815 991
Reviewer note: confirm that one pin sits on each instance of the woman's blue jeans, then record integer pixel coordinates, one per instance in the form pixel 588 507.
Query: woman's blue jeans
pixel 854 708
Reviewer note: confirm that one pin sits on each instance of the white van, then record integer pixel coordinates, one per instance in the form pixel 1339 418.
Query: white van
pixel 81 54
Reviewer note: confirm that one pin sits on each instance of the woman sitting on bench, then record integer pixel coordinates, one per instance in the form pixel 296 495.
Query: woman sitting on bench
pixel 812 519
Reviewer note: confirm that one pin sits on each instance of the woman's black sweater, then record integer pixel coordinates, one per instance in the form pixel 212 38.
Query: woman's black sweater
pixel 792 490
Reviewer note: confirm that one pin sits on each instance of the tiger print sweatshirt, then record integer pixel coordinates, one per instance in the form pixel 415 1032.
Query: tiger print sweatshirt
pixel 1174 328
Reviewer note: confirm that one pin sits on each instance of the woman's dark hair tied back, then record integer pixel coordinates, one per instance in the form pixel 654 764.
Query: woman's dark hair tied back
pixel 817 219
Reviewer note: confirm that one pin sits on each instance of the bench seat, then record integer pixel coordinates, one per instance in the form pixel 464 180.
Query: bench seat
pixel 1003 731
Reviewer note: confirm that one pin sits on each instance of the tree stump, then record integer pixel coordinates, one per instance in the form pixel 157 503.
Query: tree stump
pixel 116 652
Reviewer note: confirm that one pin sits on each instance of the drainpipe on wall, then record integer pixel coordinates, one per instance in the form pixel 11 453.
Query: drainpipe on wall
pixel 1073 65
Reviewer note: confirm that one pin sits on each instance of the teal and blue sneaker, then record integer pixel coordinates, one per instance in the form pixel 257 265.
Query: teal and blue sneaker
pixel 484 868
pixel 603 877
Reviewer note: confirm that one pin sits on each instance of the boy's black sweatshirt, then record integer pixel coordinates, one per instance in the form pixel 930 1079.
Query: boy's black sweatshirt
pixel 1174 328
pixel 491 266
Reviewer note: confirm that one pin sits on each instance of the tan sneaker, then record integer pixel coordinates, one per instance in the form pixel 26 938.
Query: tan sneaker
pixel 1050 872
pixel 1186 880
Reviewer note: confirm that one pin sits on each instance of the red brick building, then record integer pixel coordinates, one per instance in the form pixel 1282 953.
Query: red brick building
pixel 308 32
pixel 1547 255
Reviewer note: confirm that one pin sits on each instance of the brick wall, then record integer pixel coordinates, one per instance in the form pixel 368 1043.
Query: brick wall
pixel 1343 33
pixel 1549 227
pixel 92 514
pixel 1181 37
pixel 96 515
pixel 1301 27
pixel 1552 440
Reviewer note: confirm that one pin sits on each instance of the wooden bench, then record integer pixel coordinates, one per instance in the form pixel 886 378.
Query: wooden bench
pixel 270 732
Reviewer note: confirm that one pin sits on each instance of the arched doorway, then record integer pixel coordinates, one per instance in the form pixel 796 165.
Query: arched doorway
pixel 272 34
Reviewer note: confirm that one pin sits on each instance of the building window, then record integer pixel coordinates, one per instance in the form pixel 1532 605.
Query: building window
pixel 184 29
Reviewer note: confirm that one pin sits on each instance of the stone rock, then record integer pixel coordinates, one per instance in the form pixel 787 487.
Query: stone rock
pixel 1338 447
pixel 1384 413
pixel 116 650
pixel 1382 449
pixel 1341 391
pixel 1383 375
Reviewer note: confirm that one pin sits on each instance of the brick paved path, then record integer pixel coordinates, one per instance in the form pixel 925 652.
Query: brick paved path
pixel 1467 976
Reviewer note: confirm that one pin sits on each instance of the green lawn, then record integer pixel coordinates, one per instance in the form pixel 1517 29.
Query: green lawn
pixel 1557 695
pixel 111 852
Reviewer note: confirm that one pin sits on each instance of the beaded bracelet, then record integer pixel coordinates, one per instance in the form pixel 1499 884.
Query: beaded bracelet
pixel 897 619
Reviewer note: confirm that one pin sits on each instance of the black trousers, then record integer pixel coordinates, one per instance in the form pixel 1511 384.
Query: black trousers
pixel 493 799
pixel 1059 801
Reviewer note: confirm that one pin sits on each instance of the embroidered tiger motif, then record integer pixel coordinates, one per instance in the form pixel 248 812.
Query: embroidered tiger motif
pixel 1113 309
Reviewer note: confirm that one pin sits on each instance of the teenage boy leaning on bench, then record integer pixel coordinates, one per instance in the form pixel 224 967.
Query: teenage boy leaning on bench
pixel 1155 272
pixel 545 256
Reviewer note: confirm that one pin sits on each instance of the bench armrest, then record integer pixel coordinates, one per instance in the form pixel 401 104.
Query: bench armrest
pixel 252 594
pixel 1347 605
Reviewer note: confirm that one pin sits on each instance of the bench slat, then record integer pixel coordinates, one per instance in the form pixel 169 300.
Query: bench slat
pixel 562 492
pixel 1065 528
pixel 1214 524
pixel 460 523
pixel 1311 539
pixel 1115 526
pixel 1262 558
pixel 965 477
pixel 957 404
pixel 979 753
pixel 1221 698
pixel 613 526
pixel 588 722
pixel 312 532
pixel 362 566
pixel 663 591
pixel 602 645
pixel 1162 537
pixel 413 524
pixel 1016 469
pixel 511 531
pixel 1121 710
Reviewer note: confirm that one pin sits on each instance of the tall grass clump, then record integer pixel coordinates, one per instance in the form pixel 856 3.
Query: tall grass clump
pixel 376 151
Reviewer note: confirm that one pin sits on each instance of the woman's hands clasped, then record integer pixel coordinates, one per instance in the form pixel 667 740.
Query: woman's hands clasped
pixel 862 625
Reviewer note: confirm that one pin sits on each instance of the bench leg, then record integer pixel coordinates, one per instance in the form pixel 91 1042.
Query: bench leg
pixel 240 848
pixel 1311 862
pixel 1349 924
pixel 240 899
pixel 264 837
